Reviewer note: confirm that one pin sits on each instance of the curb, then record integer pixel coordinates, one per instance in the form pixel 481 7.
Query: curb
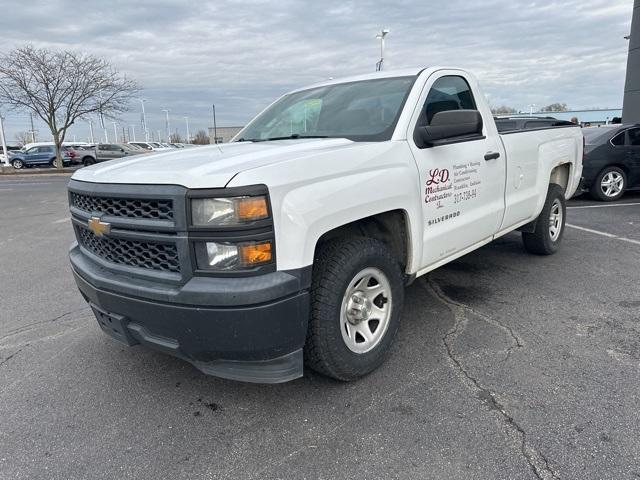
pixel 36 171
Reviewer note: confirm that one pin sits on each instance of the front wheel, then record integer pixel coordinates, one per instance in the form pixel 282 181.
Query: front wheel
pixel 546 237
pixel 17 164
pixel 357 294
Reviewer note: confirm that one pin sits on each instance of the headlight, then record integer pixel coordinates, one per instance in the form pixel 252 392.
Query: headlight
pixel 228 211
pixel 221 256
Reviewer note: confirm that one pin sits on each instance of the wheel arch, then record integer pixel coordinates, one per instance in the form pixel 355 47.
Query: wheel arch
pixel 391 227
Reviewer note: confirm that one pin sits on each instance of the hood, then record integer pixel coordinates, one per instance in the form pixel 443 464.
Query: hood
pixel 205 167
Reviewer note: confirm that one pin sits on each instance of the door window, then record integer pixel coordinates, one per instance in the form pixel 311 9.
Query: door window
pixel 32 150
pixel 633 135
pixel 447 93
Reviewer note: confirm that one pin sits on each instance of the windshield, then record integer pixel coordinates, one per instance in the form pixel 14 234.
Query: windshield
pixel 367 110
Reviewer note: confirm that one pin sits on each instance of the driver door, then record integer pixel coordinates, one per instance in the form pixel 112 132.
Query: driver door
pixel 462 178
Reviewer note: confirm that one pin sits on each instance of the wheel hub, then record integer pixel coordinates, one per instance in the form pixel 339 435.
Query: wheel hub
pixel 358 308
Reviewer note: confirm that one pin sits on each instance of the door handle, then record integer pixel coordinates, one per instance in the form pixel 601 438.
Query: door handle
pixel 491 156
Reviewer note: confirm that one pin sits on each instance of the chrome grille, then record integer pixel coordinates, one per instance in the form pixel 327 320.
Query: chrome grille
pixel 124 207
pixel 133 253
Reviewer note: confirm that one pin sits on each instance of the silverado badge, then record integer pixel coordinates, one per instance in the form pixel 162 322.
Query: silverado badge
pixel 98 227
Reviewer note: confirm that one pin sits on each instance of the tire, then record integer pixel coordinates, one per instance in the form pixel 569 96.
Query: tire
pixel 546 238
pixel 609 185
pixel 17 164
pixel 343 308
pixel 86 161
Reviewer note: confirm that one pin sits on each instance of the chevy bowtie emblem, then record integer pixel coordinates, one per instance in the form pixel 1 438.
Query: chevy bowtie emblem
pixel 98 227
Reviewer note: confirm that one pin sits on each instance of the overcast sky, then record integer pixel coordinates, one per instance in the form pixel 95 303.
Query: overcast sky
pixel 241 55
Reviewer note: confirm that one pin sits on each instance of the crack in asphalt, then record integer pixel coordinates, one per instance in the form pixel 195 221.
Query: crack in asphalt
pixel 536 460
pixel 12 355
pixel 31 326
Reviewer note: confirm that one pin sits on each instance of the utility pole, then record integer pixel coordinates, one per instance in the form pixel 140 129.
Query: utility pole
pixel 33 132
pixel 5 152
pixel 91 130
pixel 381 36
pixel 133 129
pixel 144 121
pixel 167 125
pixel 124 135
pixel 215 127
pixel 115 131
pixel 188 134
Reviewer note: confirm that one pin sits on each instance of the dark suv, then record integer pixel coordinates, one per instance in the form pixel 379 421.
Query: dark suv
pixel 611 160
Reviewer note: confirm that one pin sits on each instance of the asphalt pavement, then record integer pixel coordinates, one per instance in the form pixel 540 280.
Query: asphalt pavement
pixel 506 366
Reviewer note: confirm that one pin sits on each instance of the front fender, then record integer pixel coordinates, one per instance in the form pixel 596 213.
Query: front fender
pixel 313 196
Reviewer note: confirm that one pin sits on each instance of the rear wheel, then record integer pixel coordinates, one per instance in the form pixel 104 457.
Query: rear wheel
pixel 86 161
pixel 356 302
pixel 609 185
pixel 17 164
pixel 546 237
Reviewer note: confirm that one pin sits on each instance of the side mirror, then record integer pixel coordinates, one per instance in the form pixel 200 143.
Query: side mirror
pixel 448 125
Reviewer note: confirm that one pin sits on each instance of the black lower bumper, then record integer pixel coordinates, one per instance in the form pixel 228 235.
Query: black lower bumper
pixel 259 342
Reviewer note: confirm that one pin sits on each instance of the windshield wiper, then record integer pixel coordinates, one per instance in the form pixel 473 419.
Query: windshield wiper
pixel 293 136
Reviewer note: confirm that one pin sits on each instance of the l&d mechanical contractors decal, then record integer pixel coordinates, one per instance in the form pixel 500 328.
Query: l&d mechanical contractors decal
pixel 443 191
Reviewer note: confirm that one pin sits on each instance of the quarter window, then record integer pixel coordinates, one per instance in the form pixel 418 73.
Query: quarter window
pixel 618 140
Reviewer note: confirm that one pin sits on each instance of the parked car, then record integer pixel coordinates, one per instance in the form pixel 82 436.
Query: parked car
pixel 293 243
pixel 39 155
pixel 84 154
pixel 112 151
pixel 611 160
pixel 150 146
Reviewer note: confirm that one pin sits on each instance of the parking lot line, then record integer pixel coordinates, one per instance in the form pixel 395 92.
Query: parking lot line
pixel 606 206
pixel 604 234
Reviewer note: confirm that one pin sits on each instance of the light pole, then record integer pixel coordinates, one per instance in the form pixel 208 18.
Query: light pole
pixel 167 126
pixel 381 36
pixel 215 127
pixel 186 119
pixel 133 129
pixel 91 130
pixel 144 121
pixel 4 143
pixel 115 131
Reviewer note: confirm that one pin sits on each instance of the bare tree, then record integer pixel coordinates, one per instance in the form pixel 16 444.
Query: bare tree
pixel 175 138
pixel 201 138
pixel 23 138
pixel 555 107
pixel 503 110
pixel 61 87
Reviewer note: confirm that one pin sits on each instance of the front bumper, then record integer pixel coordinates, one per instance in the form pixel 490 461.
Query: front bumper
pixel 250 329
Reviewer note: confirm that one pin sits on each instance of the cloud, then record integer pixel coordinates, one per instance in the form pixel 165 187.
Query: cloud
pixel 241 55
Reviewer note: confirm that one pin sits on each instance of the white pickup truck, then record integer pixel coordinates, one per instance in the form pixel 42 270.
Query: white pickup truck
pixel 292 244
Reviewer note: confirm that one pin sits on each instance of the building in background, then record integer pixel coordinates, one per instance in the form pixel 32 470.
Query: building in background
pixel 631 106
pixel 223 134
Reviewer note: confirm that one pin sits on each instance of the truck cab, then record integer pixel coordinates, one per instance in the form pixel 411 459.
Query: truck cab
pixel 292 244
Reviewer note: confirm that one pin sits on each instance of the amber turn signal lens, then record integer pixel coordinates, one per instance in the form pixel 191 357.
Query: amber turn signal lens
pixel 252 208
pixel 253 254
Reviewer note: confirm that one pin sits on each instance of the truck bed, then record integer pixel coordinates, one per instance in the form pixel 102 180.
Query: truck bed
pixel 518 124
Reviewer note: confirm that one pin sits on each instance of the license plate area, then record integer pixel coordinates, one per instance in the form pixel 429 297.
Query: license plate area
pixel 113 325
